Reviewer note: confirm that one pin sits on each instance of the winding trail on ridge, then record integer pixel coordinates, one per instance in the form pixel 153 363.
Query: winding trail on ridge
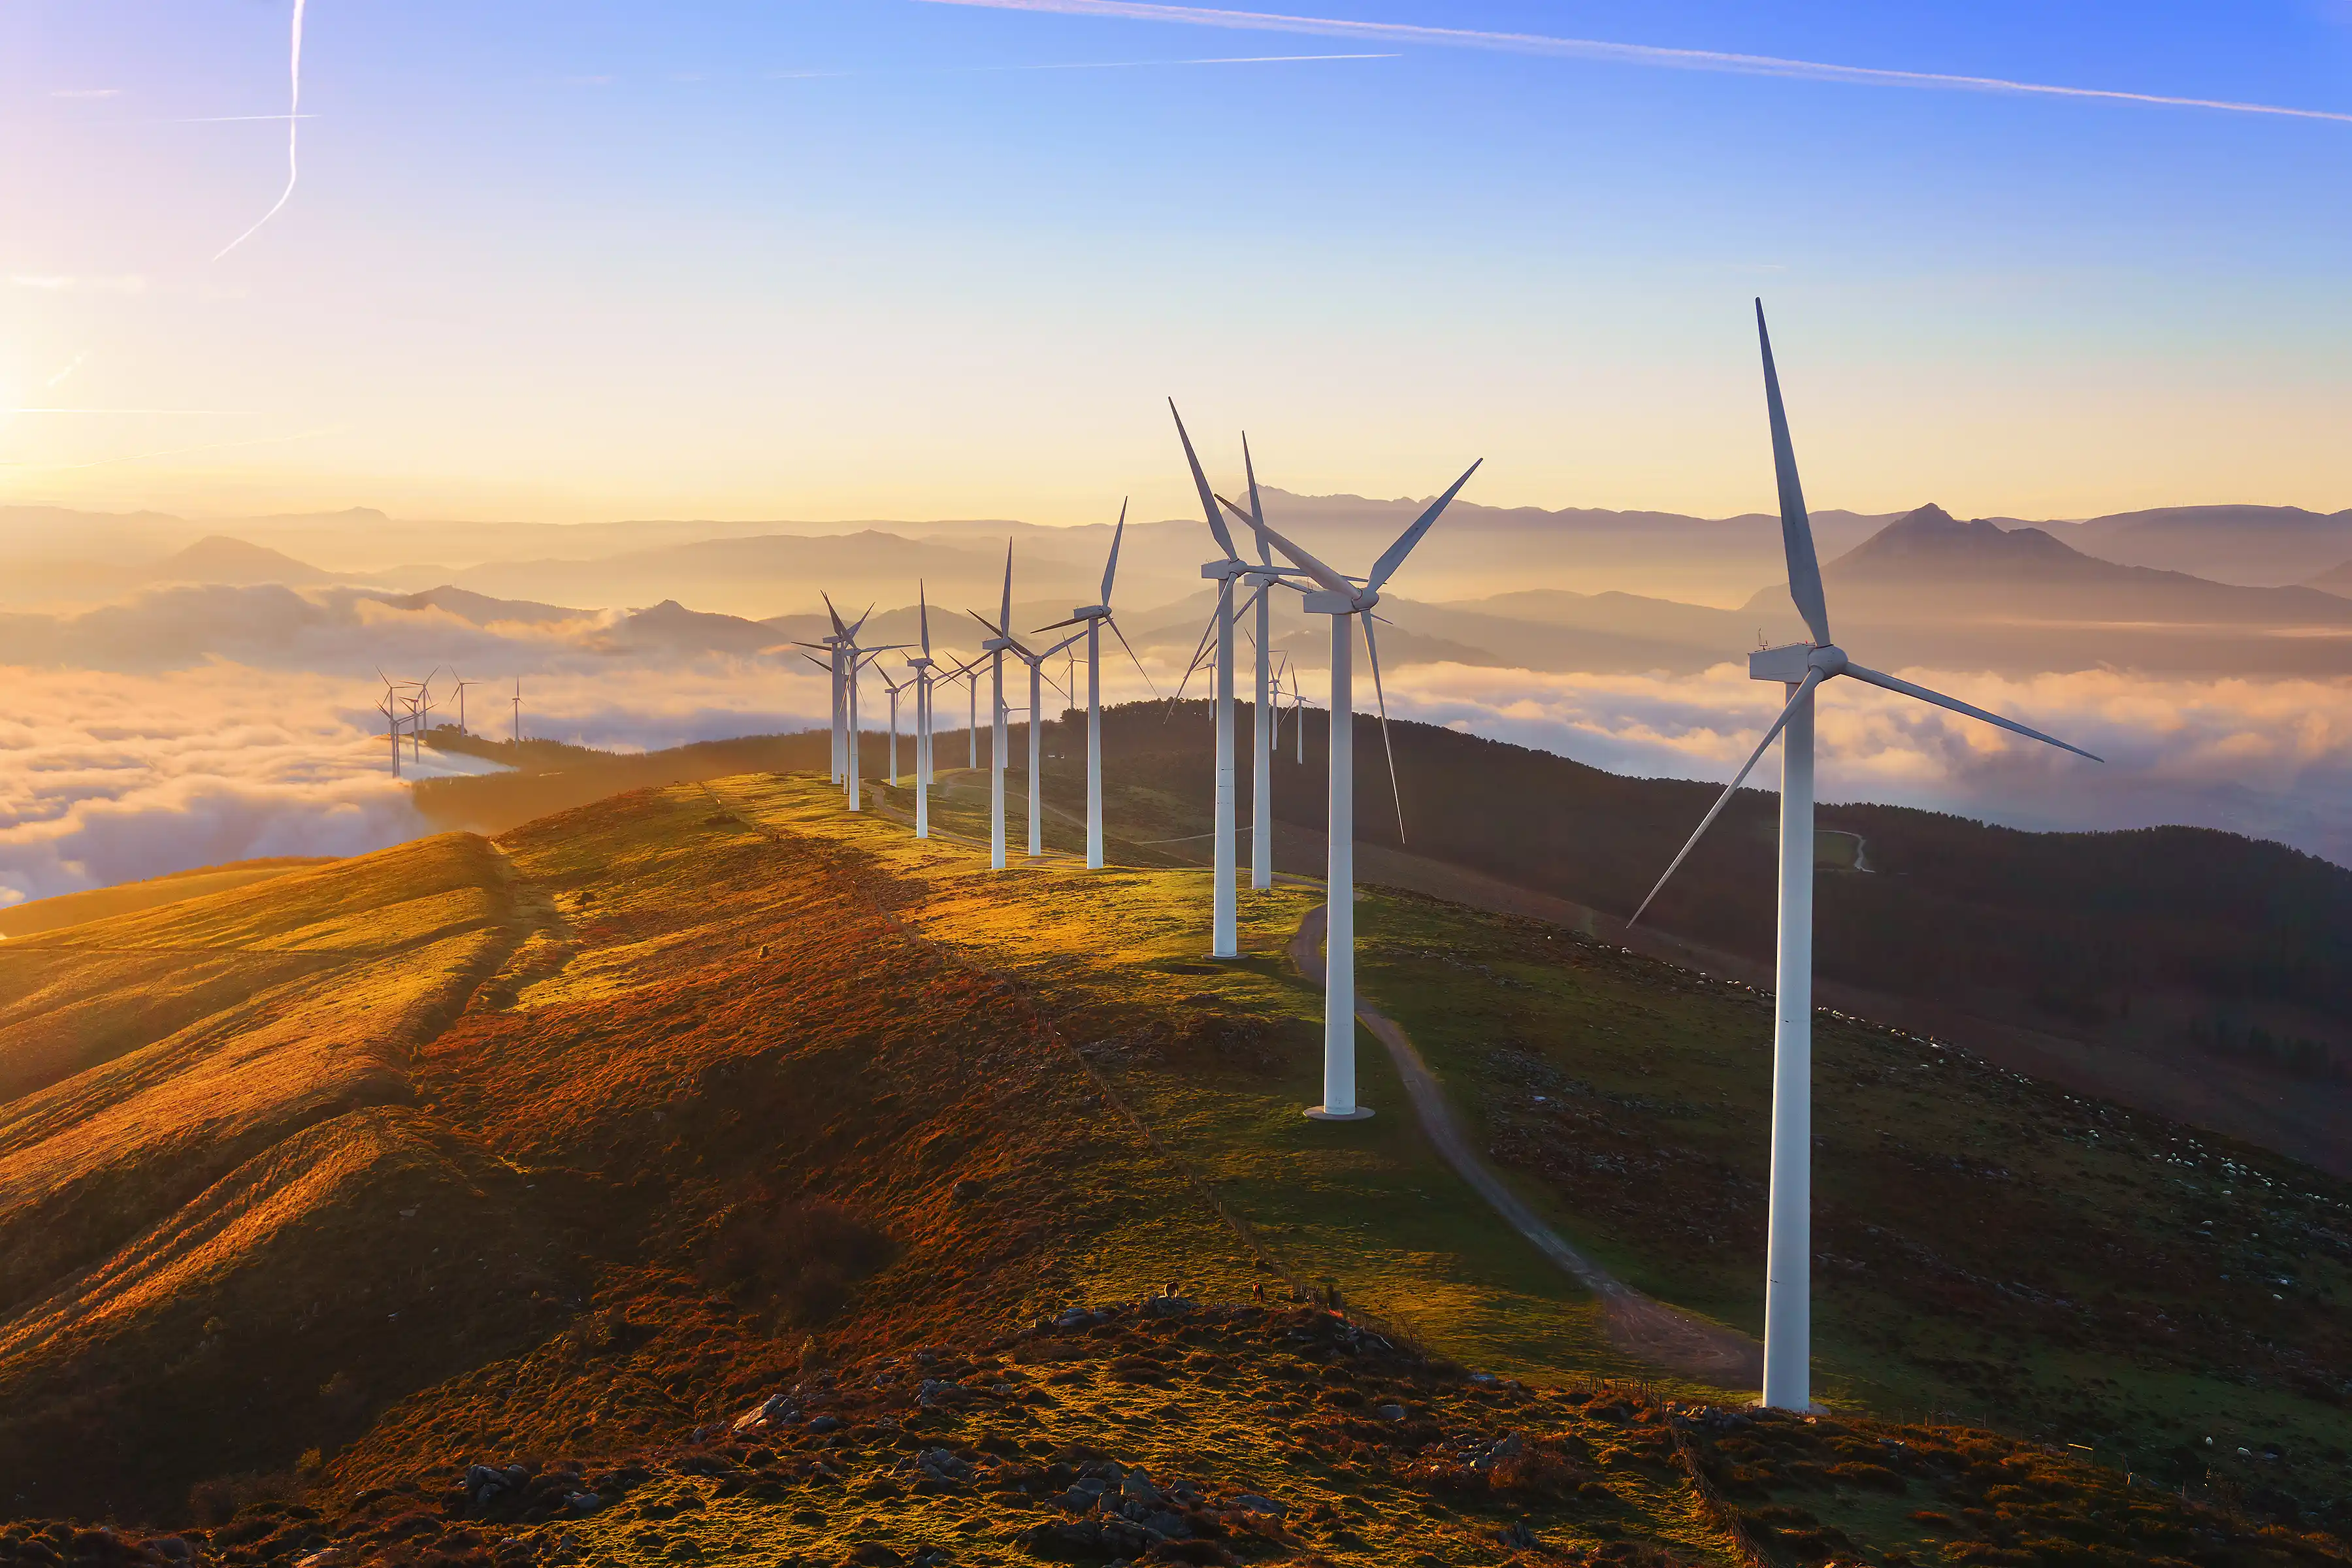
pixel 1638 1326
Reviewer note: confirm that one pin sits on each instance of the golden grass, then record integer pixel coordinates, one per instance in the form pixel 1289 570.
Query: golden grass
pixel 62 909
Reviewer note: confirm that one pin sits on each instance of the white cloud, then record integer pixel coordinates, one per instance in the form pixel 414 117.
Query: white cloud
pixel 2269 758
pixel 231 722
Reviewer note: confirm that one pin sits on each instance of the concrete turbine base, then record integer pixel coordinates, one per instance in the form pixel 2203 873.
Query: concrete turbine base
pixel 1317 1113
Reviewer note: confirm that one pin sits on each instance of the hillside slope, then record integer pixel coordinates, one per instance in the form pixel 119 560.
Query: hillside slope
pixel 712 1100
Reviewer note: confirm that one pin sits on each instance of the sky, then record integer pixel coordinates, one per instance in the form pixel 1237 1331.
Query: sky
pixel 901 259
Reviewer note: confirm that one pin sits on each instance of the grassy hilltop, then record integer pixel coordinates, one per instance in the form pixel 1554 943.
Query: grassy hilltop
pixel 566 1154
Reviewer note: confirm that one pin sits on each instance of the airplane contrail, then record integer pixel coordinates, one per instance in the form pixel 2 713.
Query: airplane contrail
pixel 293 133
pixel 1623 53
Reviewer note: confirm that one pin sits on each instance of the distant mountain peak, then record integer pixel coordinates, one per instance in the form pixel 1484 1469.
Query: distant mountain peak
pixel 1929 536
pixel 221 558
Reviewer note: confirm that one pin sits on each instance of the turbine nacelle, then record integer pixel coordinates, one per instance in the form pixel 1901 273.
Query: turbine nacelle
pixel 1223 570
pixel 1791 663
pixel 1323 602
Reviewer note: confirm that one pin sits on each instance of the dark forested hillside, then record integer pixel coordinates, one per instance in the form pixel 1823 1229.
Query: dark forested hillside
pixel 2180 936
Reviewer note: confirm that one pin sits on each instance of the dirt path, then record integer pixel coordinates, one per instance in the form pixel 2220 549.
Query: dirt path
pixel 1637 1325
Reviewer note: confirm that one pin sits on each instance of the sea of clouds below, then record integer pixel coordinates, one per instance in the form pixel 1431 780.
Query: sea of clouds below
pixel 108 776
pixel 207 725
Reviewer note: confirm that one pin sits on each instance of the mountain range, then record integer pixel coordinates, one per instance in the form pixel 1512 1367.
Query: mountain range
pixel 1927 587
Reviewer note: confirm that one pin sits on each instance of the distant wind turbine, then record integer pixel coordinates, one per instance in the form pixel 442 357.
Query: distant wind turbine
pixel 894 688
pixel 922 665
pixel 1035 660
pixel 1343 601
pixel 1261 582
pixel 1802 668
pixel 1095 617
pixel 1223 911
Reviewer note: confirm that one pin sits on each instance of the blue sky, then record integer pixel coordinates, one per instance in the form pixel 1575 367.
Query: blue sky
pixel 824 259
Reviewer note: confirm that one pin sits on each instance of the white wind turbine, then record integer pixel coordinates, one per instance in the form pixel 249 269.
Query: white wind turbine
pixel 1094 617
pixel 1261 580
pixel 999 644
pixel 894 688
pixel 390 708
pixel 833 647
pixel 1802 668
pixel 1341 599
pixel 994 648
pixel 922 665
pixel 1223 902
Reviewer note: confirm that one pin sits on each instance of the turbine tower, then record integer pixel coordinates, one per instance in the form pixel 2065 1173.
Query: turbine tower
pixel 1223 936
pixel 1802 668
pixel 1343 601
pixel 1094 617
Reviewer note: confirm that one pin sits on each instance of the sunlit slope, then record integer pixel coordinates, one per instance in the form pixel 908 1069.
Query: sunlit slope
pixel 317 985
pixel 99 903
pixel 85 994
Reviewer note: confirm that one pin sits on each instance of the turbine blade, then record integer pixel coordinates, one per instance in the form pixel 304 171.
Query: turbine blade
pixel 1812 678
pixel 1005 614
pixel 1058 626
pixel 1256 510
pixel 1121 635
pixel 1110 567
pixel 1206 632
pixel 1393 557
pixel 1308 565
pixel 1888 682
pixel 1372 650
pixel 1796 527
pixel 1201 482
pixel 861 624
pixel 922 599
pixel 837 628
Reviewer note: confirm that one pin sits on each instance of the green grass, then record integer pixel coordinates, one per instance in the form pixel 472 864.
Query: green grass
pixel 1985 1245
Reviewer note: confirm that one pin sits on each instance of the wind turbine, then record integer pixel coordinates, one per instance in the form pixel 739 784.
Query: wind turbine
pixel 843 637
pixel 1261 718
pixel 922 665
pixel 1802 668
pixel 1223 934
pixel 894 688
pixel 1343 601
pixel 1095 617
pixel 389 708
pixel 994 648
pixel 518 717
pixel 1035 660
